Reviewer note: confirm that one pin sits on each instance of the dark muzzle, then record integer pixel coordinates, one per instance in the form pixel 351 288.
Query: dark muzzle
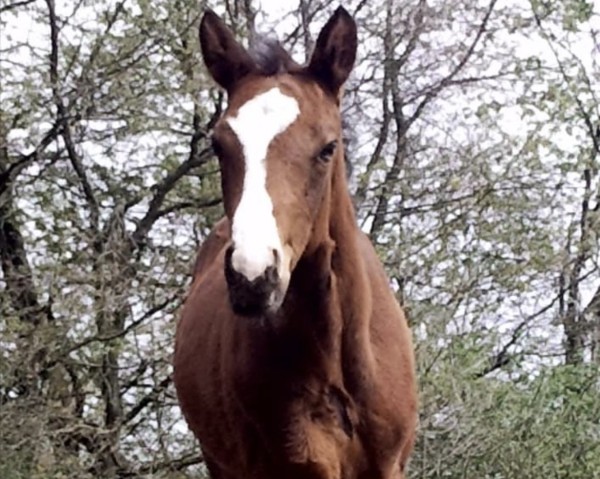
pixel 249 298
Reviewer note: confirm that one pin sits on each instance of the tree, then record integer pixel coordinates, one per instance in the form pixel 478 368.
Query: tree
pixel 473 139
pixel 101 169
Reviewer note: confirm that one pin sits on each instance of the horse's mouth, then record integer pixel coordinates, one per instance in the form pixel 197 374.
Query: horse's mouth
pixel 261 296
pixel 255 304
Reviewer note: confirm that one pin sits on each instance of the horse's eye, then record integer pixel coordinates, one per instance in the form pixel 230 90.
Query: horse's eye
pixel 328 151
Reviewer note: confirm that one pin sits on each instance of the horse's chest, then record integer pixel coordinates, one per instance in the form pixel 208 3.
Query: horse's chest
pixel 301 418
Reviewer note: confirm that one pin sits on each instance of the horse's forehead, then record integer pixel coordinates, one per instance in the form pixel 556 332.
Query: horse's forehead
pixel 306 93
pixel 271 109
pixel 266 97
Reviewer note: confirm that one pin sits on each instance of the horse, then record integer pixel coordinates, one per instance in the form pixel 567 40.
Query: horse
pixel 293 359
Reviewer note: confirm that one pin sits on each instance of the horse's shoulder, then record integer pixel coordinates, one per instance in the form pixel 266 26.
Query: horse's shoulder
pixel 378 276
pixel 212 246
pixel 371 258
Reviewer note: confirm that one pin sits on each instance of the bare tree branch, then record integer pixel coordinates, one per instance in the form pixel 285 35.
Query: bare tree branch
pixel 9 172
pixel 12 6
pixel 147 399
pixel 171 465
pixel 63 119
pixel 162 189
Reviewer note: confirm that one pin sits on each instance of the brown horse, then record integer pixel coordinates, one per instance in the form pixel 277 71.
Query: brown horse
pixel 293 358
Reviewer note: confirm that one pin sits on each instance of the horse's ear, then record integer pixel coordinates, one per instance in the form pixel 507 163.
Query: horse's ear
pixel 226 60
pixel 335 51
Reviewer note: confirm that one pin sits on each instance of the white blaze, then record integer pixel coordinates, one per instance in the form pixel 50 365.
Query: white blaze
pixel 254 231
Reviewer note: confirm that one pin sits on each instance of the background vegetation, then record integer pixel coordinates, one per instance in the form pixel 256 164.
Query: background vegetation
pixel 474 131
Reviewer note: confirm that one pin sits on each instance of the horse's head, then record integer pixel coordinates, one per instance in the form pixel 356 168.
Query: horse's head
pixel 277 143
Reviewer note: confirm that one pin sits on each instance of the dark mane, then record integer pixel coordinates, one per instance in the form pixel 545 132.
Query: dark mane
pixel 349 139
pixel 270 56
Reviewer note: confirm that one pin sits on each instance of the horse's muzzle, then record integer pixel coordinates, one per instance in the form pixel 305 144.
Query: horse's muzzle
pixel 250 298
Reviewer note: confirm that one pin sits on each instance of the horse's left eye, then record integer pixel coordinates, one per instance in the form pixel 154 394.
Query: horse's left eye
pixel 328 151
pixel 216 146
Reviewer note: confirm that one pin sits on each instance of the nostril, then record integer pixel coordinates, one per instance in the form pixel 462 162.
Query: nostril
pixel 276 258
pixel 228 260
pixel 271 276
pixel 228 254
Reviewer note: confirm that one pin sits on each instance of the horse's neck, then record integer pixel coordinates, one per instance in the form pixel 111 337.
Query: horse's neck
pixel 348 260
pixel 329 290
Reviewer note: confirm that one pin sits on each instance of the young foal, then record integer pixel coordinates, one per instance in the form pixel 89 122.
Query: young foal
pixel 292 358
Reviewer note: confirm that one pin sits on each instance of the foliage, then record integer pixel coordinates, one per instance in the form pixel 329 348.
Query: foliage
pixel 475 150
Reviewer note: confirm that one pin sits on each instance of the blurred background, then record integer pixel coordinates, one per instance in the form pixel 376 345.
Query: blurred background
pixel 473 131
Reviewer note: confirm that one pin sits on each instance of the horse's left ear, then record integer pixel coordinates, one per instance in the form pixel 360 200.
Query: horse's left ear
pixel 335 51
pixel 226 60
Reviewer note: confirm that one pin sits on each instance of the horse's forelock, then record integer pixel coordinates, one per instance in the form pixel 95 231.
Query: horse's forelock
pixel 270 57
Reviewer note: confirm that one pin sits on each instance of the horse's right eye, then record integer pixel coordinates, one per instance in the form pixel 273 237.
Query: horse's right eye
pixel 327 151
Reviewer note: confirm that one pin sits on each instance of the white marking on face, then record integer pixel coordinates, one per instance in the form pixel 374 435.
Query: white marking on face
pixel 254 230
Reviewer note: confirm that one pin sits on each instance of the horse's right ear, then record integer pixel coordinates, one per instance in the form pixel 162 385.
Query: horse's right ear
pixel 226 60
pixel 335 51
